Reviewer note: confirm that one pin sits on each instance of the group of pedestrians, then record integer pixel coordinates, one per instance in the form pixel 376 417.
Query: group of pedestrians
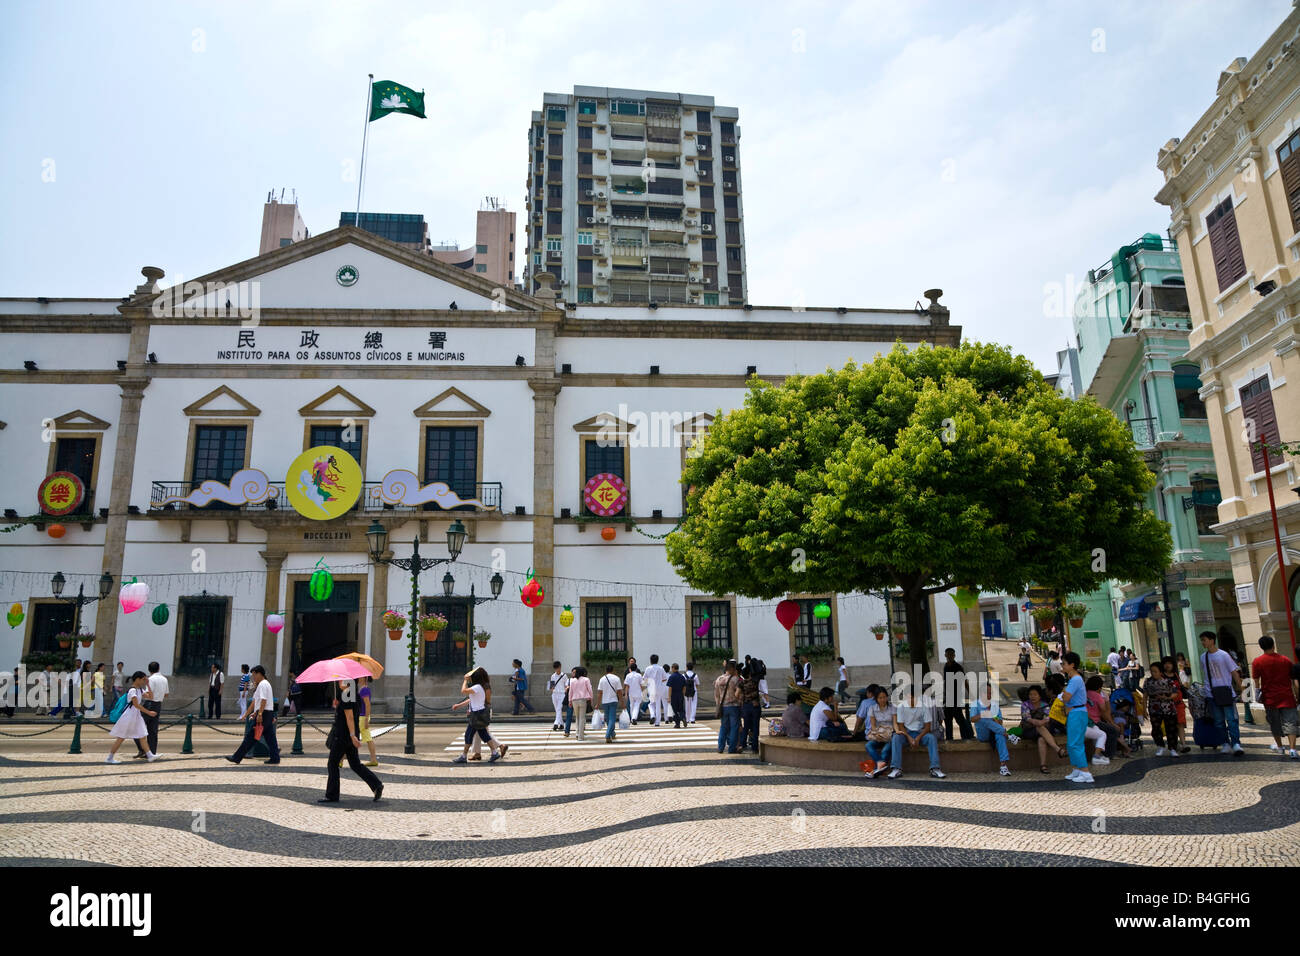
pixel 659 695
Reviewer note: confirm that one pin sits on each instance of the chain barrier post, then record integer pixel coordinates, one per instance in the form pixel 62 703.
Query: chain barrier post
pixel 297 737
pixel 201 714
pixel 188 746
pixel 76 738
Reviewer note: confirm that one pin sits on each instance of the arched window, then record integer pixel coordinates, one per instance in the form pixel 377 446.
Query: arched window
pixel 1187 386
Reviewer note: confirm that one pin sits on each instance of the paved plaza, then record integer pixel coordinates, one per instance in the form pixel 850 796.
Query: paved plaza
pixel 657 796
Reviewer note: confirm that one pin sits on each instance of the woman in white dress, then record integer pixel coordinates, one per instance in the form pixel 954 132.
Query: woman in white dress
pixel 130 726
pixel 633 682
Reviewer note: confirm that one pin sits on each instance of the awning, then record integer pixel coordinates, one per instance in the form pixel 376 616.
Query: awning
pixel 1138 607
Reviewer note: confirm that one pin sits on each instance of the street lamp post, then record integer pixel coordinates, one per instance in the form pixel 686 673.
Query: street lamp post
pixel 415 564
pixel 57 584
pixel 449 588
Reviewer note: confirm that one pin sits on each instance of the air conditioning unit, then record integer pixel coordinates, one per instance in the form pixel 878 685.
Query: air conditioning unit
pixel 591 192
pixel 728 158
pixel 695 277
pixel 600 195
pixel 590 220
pixel 728 185
pixel 690 222
pixel 597 248
pixel 645 261
pixel 602 219
pixel 706 228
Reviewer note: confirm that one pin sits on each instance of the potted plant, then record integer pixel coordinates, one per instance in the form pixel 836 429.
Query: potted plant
pixel 395 622
pixel 1075 612
pixel 64 639
pixel 482 637
pixel 1045 616
pixel 879 630
pixel 430 624
pixel 86 639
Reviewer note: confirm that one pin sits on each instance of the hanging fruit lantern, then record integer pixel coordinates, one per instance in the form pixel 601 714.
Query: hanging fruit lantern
pixel 966 598
pixel 321 585
pixel 161 614
pixel 531 593
pixel 133 596
pixel 608 534
pixel 566 616
pixel 821 610
pixel 15 615
pixel 56 531
pixel 787 612
pixel 275 623
pixel 703 629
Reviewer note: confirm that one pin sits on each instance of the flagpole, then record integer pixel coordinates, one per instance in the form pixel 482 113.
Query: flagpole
pixel 361 175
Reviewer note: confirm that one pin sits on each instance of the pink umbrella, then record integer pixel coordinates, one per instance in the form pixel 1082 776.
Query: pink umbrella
pixel 338 668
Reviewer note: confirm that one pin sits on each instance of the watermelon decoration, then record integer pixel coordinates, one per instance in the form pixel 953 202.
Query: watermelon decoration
pixel 821 611
pixel 321 585
pixel 566 616
pixel 531 593
pixel 161 614
pixel 787 612
pixel 703 629
pixel 133 596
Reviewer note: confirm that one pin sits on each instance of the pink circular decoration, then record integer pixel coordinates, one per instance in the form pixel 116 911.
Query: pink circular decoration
pixel 275 623
pixel 604 494
pixel 133 596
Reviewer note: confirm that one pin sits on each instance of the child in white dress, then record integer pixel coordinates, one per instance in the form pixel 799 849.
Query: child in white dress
pixel 131 724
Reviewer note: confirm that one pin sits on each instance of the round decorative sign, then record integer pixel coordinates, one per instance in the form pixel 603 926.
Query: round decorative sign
pixel 604 494
pixel 60 493
pixel 347 275
pixel 323 483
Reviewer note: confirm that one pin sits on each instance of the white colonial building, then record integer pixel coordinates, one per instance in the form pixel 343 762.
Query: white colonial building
pixel 346 340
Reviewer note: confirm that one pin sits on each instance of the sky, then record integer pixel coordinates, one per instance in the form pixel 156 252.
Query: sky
pixel 996 150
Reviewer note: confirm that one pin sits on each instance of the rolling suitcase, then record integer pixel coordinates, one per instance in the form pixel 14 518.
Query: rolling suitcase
pixel 1206 734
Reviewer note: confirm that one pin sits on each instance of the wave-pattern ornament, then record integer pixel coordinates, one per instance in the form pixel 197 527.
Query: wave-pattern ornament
pixel 247 487
pixel 402 487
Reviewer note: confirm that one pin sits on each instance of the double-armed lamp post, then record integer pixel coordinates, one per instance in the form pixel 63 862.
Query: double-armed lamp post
pixel 456 534
pixel 57 583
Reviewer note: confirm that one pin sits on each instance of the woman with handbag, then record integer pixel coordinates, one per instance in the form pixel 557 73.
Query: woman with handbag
pixel 879 718
pixel 1075 700
pixel 344 743
pixel 477 687
pixel 580 698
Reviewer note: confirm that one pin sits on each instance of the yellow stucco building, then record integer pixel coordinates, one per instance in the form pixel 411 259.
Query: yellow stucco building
pixel 1232 185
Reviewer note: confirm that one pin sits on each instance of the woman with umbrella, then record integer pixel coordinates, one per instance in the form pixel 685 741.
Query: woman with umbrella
pixel 478 690
pixel 343 740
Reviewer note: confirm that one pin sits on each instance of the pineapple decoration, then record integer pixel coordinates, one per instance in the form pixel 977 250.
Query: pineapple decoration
pixel 531 593
pixel 566 616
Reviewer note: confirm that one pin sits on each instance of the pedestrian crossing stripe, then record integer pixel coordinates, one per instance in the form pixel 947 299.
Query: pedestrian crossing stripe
pixel 546 739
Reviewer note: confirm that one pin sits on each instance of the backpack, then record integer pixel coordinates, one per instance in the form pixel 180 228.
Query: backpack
pixel 689 689
pixel 119 708
pixel 758 668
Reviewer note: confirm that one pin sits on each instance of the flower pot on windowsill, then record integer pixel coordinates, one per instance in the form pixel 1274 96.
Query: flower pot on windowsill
pixel 394 633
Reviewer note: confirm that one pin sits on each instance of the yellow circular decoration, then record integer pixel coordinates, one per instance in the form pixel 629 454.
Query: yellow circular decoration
pixel 323 483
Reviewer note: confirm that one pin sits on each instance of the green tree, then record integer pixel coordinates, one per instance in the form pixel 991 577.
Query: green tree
pixel 928 468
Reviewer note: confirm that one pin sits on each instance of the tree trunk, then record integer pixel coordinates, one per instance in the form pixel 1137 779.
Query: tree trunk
pixel 915 629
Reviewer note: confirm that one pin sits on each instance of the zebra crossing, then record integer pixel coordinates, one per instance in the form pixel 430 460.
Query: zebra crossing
pixel 522 737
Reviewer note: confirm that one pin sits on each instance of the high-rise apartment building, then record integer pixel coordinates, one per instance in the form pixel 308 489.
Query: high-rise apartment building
pixel 635 196
pixel 282 224
pixel 493 254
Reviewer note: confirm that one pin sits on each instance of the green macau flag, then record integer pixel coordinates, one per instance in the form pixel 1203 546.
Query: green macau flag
pixel 389 97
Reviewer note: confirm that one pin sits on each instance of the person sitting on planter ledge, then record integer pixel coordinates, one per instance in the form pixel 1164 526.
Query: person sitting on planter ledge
pixel 987 716
pixel 913 728
pixel 824 723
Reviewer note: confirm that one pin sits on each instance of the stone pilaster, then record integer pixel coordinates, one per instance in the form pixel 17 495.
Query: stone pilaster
pixel 271 604
pixel 128 423
pixel 545 389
